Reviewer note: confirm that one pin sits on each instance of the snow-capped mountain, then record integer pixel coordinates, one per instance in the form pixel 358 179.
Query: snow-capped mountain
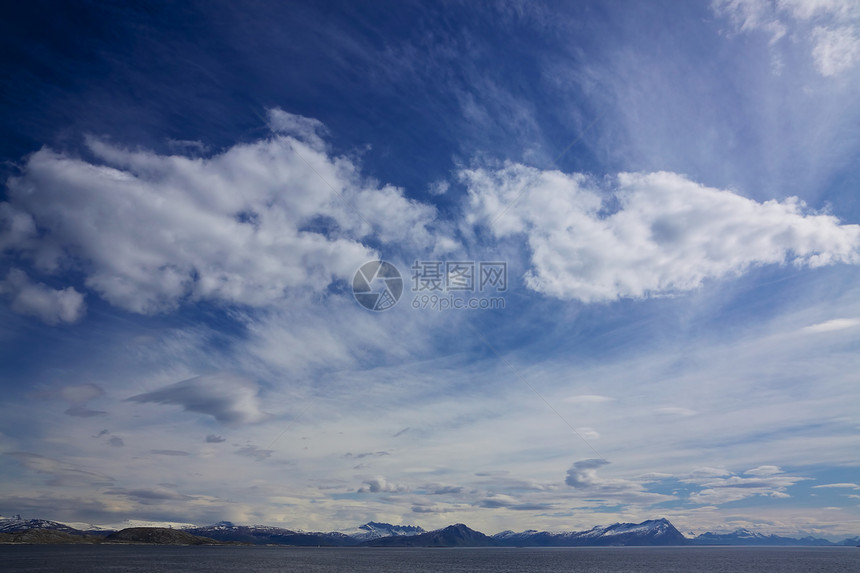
pixel 375 530
pixel 452 536
pixel 743 536
pixel 16 524
pixel 651 532
pixel 266 535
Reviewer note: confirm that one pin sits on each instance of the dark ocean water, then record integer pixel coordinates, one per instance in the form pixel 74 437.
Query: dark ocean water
pixel 122 558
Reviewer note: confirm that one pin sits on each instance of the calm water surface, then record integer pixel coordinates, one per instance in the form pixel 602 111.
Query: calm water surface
pixel 122 558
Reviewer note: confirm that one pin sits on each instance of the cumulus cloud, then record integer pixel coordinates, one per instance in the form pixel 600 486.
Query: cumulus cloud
pixel 228 398
pixel 583 476
pixel 660 234
pixel 583 473
pixel 244 226
pixel 304 128
pixel 379 485
pixel 51 306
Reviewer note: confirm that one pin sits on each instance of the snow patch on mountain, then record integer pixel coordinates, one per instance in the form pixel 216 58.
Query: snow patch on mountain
pixel 376 530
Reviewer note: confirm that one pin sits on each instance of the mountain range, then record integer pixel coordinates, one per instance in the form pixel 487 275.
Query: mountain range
pixel 374 534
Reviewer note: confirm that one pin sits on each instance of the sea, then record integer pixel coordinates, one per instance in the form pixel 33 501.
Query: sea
pixel 253 559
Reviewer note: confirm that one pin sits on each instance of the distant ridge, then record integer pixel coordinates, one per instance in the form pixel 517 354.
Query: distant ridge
pixel 374 534
pixel 746 537
pixel 651 532
pixel 452 536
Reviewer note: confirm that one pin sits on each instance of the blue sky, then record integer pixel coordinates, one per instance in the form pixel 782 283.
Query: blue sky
pixel 188 192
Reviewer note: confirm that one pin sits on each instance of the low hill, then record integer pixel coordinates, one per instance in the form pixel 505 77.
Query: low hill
pixel 158 535
pixel 47 537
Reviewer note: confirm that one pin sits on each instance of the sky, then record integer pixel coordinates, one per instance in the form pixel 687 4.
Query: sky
pixel 621 248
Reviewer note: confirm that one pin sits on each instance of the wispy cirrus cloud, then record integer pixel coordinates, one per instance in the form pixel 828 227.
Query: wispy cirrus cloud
pixel 837 485
pixel 768 481
pixel 60 473
pixel 830 28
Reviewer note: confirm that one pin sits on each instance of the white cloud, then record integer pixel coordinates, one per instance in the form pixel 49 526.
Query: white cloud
pixel 749 15
pixel 765 482
pixel 588 433
pixel 588 399
pixel 840 10
pixel 244 226
pixel 228 398
pixel 705 472
pixel 439 187
pixel 16 227
pixel 832 325
pixel 835 47
pixel 668 234
pixel 835 50
pixel 51 306
pixel 763 471
pixel 380 485
pixel 582 476
pixel 837 485
pixel 307 129
pixel 675 411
